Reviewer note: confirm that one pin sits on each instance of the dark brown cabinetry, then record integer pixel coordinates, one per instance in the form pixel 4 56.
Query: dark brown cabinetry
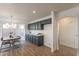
pixel 37 40
pixel 39 25
pixel 47 21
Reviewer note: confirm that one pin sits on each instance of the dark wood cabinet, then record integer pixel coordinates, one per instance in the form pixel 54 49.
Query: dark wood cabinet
pixel 47 21
pixel 37 40
pixel 28 26
pixel 39 25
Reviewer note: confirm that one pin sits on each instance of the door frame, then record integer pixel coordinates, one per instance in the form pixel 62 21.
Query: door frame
pixel 58 29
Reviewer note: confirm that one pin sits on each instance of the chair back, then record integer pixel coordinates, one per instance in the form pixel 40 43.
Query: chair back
pixel 1 38
pixel 18 37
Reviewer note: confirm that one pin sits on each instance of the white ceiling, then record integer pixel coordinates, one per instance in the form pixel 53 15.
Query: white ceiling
pixel 23 12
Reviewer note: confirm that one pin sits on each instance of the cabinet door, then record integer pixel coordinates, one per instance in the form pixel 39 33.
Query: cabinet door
pixel 31 38
pixel 39 26
pixel 42 26
pixel 27 38
pixel 34 39
pixel 31 27
pixel 40 40
pixel 35 26
pixel 47 21
pixel 28 26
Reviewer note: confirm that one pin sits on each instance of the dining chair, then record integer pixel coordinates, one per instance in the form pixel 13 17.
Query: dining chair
pixel 17 40
pixel 4 42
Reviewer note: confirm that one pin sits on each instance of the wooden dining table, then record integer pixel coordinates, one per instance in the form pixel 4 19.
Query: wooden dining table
pixel 12 40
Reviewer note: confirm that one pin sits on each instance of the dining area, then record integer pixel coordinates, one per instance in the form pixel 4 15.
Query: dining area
pixel 11 35
pixel 12 38
pixel 10 41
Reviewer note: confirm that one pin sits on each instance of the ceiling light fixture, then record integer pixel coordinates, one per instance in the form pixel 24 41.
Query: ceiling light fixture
pixel 10 25
pixel 34 11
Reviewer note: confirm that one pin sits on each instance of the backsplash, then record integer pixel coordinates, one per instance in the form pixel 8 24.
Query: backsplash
pixel 36 31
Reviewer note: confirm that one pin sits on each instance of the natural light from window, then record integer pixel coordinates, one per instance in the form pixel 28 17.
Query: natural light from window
pixel 21 26
pixel 6 26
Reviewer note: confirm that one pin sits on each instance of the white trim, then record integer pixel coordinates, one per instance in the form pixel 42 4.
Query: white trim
pixel 40 19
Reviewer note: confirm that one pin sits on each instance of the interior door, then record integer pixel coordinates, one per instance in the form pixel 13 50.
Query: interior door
pixel 68 32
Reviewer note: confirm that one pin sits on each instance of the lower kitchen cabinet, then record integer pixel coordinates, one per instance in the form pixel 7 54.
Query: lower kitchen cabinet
pixel 37 40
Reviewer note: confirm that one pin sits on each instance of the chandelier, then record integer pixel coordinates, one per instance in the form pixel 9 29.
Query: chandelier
pixel 10 25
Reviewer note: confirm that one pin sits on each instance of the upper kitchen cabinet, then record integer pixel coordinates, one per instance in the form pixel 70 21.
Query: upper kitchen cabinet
pixel 32 26
pixel 46 21
pixel 35 26
pixel 39 25
pixel 29 26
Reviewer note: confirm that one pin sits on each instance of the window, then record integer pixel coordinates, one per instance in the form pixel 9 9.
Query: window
pixel 21 26
pixel 6 26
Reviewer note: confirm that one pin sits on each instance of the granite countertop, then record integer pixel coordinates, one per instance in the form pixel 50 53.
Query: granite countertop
pixel 36 34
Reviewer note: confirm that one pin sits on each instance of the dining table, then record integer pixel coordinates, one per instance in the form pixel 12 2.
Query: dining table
pixel 12 39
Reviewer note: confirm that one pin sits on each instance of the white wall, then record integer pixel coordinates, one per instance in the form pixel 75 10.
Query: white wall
pixel 40 19
pixel 54 32
pixel 0 30
pixel 20 31
pixel 0 33
pixel 47 35
pixel 68 32
pixel 70 12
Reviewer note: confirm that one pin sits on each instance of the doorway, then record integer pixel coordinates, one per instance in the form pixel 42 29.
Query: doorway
pixel 68 35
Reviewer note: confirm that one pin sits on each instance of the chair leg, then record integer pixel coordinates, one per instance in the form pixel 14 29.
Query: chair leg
pixel 1 46
pixel 10 45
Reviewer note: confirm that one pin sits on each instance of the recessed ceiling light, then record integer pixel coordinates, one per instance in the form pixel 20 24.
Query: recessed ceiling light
pixel 34 11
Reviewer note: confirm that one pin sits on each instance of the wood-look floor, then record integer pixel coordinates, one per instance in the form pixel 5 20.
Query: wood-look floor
pixel 29 49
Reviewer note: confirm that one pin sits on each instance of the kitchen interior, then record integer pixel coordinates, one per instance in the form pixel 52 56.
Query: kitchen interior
pixel 41 30
pixel 37 33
